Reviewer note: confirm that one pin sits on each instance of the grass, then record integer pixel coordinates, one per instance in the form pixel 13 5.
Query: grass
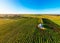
pixel 18 31
pixel 24 30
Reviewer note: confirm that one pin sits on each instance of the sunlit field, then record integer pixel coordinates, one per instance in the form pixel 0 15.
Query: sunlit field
pixel 24 29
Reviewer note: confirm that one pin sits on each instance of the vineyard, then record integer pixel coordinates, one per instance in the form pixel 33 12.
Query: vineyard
pixel 24 30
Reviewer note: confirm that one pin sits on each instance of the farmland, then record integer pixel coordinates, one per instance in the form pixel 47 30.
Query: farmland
pixel 24 30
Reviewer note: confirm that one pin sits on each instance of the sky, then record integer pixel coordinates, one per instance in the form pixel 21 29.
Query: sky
pixel 29 6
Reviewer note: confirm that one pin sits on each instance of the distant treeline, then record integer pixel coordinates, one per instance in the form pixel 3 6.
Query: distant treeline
pixel 10 16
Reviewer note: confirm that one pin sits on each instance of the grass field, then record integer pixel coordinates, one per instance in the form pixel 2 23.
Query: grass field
pixel 24 30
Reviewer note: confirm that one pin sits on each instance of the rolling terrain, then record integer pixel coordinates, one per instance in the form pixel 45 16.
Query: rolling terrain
pixel 25 30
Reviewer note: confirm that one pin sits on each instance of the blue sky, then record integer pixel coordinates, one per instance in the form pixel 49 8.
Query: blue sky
pixel 30 6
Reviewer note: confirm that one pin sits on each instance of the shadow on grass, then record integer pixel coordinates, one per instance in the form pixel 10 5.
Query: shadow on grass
pixel 50 24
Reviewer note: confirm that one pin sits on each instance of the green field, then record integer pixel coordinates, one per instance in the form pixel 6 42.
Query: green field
pixel 24 30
